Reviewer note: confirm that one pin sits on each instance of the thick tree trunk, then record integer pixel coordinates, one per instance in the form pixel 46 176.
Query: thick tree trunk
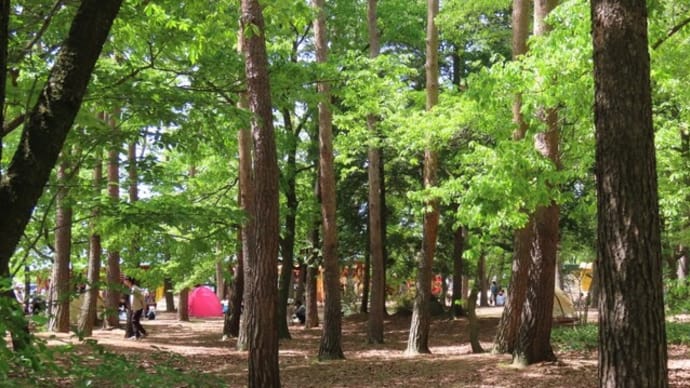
pixel 517 290
pixel 48 123
pixel 632 336
pixel 261 307
pixel 87 316
pixel 169 296
pixel 183 305
pixel 312 318
pixel 534 338
pixel 331 338
pixel 60 280
pixel 418 340
pixel 232 324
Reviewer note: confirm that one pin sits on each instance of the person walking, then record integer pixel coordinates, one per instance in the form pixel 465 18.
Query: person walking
pixel 137 305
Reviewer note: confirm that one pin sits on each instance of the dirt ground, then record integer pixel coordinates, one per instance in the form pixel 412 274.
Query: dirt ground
pixel 451 363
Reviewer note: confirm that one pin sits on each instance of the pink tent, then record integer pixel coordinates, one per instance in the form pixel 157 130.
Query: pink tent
pixel 203 303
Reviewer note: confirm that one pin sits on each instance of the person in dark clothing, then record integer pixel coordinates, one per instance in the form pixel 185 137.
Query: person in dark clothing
pixel 300 312
pixel 136 304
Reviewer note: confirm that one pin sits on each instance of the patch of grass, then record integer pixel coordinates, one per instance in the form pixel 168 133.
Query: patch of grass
pixel 576 338
pixel 586 337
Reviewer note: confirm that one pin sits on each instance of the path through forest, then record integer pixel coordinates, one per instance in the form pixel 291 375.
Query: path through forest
pixel 451 363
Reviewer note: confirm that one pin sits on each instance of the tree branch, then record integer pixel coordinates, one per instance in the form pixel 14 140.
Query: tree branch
pixel 671 32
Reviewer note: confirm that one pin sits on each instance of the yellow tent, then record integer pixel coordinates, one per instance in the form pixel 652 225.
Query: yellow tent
pixel 563 308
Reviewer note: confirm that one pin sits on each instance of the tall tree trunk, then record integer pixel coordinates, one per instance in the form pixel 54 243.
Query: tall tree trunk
pixel 261 307
pixel 331 338
pixel 87 316
pixel 534 338
pixel 60 280
pixel 287 242
pixel 246 203
pixel 48 122
pixel 632 336
pixel 113 270
pixel 378 280
pixel 312 318
pixel 517 288
pixel 458 251
pixel 418 340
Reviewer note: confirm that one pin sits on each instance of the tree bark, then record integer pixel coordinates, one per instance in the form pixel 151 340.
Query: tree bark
pixel 87 316
pixel 378 280
pixel 48 123
pixel 60 279
pixel 312 318
pixel 261 307
pixel 183 305
pixel 287 242
pixel 517 288
pixel 169 296
pixel 331 338
pixel 632 336
pixel 418 340
pixel 534 337
pixel 246 203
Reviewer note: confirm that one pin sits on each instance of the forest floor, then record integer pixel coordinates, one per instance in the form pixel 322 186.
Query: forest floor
pixel 197 347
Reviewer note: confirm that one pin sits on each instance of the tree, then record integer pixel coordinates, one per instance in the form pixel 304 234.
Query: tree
pixel 376 231
pixel 47 124
pixel 632 338
pixel 87 316
pixel 60 279
pixel 533 343
pixel 331 337
pixel 113 272
pixel 261 306
pixel 418 341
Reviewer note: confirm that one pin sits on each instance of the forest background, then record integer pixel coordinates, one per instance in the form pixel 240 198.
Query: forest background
pixel 162 112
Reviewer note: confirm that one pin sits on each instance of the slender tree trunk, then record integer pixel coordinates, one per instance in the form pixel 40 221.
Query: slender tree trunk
pixel 235 308
pixel 312 318
pixel 246 203
pixel 60 280
pixel 482 283
pixel 418 340
pixel 331 338
pixel 261 308
pixel 113 270
pixel 89 308
pixel 378 281
pixel 287 242
pixel 458 250
pixel 632 333
pixel 48 122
